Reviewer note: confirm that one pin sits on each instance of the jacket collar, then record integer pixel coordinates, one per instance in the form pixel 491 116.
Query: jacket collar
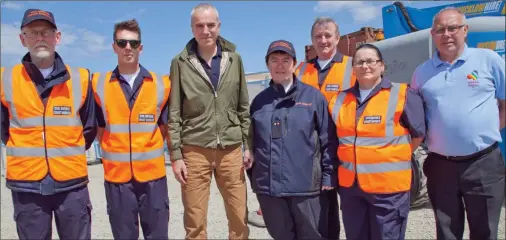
pixel 280 90
pixel 194 49
pixel 59 71
pixel 142 73
pixel 338 57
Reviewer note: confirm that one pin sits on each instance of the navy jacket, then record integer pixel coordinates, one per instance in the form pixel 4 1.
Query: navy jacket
pixel 294 142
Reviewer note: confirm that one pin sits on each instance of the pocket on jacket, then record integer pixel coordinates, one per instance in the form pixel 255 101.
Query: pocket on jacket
pixel 300 120
pixel 234 119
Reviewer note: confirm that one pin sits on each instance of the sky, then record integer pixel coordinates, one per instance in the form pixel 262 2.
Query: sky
pixel 87 27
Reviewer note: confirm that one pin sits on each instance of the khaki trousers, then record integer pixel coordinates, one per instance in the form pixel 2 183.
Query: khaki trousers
pixel 228 170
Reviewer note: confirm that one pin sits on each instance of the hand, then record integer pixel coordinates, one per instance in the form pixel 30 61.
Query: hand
pixel 325 188
pixel 179 170
pixel 248 159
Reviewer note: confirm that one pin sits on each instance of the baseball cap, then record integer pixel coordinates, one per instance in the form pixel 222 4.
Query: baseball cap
pixel 283 46
pixel 37 14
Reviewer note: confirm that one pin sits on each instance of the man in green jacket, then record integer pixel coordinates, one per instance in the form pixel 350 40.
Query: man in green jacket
pixel 208 123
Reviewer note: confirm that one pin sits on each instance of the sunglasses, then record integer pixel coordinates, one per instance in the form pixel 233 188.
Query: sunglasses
pixel 122 43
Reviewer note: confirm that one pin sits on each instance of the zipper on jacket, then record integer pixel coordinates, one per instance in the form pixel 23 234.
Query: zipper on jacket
pixel 216 122
pixel 285 128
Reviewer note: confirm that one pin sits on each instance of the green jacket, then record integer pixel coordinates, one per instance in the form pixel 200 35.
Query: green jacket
pixel 201 116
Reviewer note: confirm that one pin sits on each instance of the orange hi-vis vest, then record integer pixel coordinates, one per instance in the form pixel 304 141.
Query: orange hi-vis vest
pixel 375 149
pixel 44 139
pixel 132 143
pixel 339 78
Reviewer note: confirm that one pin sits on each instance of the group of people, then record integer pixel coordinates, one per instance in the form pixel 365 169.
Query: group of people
pixel 331 125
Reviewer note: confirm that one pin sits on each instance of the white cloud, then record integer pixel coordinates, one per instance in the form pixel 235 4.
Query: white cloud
pixel 75 43
pixel 361 11
pixel 11 5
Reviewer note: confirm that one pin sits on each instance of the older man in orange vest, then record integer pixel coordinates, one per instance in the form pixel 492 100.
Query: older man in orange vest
pixel 48 123
pixel 132 117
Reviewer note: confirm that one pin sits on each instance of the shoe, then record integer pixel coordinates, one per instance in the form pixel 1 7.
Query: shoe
pixel 256 219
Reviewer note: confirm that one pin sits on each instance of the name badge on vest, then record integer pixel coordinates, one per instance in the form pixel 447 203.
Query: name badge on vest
pixel 62 110
pixel 146 118
pixel 332 88
pixel 372 119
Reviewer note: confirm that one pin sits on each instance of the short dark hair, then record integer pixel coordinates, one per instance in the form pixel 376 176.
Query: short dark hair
pixel 369 46
pixel 130 25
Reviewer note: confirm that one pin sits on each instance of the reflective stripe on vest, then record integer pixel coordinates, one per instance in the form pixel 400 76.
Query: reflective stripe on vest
pixel 377 167
pixel 302 70
pixel 347 74
pixel 136 156
pixel 16 122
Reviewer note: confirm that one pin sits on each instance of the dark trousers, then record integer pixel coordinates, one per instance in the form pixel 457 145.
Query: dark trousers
pixel 33 214
pixel 373 216
pixel 295 217
pixel 476 183
pixel 128 201
pixel 334 226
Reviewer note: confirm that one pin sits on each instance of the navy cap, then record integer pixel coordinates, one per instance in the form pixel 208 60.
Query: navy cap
pixel 283 46
pixel 37 14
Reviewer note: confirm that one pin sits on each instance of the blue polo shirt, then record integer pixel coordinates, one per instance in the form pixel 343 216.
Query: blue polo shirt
pixel 462 112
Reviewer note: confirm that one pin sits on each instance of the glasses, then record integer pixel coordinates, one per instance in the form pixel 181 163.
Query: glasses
pixel 122 43
pixel 43 33
pixel 368 62
pixel 451 29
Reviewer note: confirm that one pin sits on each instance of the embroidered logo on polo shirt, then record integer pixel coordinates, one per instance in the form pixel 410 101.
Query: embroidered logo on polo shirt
pixel 332 87
pixel 372 119
pixel 472 79
pixel 146 118
pixel 62 110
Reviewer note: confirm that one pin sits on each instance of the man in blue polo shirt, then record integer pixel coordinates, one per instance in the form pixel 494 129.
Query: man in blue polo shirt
pixel 464 95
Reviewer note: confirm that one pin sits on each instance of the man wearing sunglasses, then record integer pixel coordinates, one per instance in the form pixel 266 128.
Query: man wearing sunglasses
pixel 47 123
pixel 132 120
pixel 463 90
pixel 209 121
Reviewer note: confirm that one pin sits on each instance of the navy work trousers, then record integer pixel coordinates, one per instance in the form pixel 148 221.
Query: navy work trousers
pixel 373 216
pixel 334 226
pixel 293 218
pixel 476 183
pixel 33 214
pixel 127 202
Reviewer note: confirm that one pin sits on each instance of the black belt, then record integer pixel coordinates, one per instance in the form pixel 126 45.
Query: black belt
pixel 468 157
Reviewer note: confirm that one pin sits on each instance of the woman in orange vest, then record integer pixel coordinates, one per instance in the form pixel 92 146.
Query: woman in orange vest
pixel 379 124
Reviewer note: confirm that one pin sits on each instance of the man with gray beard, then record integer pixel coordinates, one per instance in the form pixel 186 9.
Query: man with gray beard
pixel 47 123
